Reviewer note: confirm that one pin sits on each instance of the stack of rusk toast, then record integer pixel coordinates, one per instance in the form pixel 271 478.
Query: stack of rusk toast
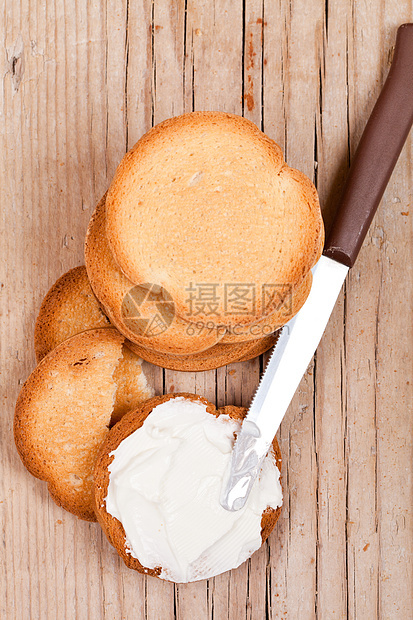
pixel 200 250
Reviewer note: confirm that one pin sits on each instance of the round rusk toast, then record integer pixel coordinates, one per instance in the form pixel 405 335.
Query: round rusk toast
pixel 217 356
pixel 65 409
pixel 181 337
pixel 207 198
pixel 114 529
pixel 69 307
pixel 116 292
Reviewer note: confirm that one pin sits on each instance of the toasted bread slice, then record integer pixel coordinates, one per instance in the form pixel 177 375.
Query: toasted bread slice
pixel 121 301
pixel 65 409
pixel 112 528
pixel 207 199
pixel 69 307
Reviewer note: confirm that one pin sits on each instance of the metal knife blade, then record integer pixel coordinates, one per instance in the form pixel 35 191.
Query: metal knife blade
pixel 292 354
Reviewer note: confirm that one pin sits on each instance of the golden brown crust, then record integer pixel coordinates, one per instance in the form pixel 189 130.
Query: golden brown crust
pixel 63 412
pixel 217 356
pixel 223 161
pixel 111 287
pixel 69 307
pixel 133 420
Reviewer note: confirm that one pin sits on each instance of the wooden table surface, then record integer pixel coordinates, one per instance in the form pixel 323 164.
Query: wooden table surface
pixel 81 82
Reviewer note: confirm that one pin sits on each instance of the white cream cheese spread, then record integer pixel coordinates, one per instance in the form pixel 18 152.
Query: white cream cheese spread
pixel 165 483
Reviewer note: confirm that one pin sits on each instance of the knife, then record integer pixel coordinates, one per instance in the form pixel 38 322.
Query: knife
pixel 379 148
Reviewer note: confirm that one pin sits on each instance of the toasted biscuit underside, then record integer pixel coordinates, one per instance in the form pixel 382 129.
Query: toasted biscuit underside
pixel 133 420
pixel 207 198
pixel 65 409
pixel 69 307
pixel 113 289
pixel 217 356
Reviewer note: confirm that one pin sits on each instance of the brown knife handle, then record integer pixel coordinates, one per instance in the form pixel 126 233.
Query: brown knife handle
pixel 377 153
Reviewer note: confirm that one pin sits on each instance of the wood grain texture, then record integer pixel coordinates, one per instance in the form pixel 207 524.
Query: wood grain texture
pixel 81 82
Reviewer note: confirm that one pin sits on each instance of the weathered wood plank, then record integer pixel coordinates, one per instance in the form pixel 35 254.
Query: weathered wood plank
pixel 214 47
pixel 139 70
pixel 394 395
pixel 389 263
pixel 330 379
pixel 293 544
pixel 394 398
pixel 366 65
pixel 80 83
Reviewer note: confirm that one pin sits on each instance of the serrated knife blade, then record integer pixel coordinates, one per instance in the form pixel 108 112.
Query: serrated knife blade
pixel 379 148
pixel 288 362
